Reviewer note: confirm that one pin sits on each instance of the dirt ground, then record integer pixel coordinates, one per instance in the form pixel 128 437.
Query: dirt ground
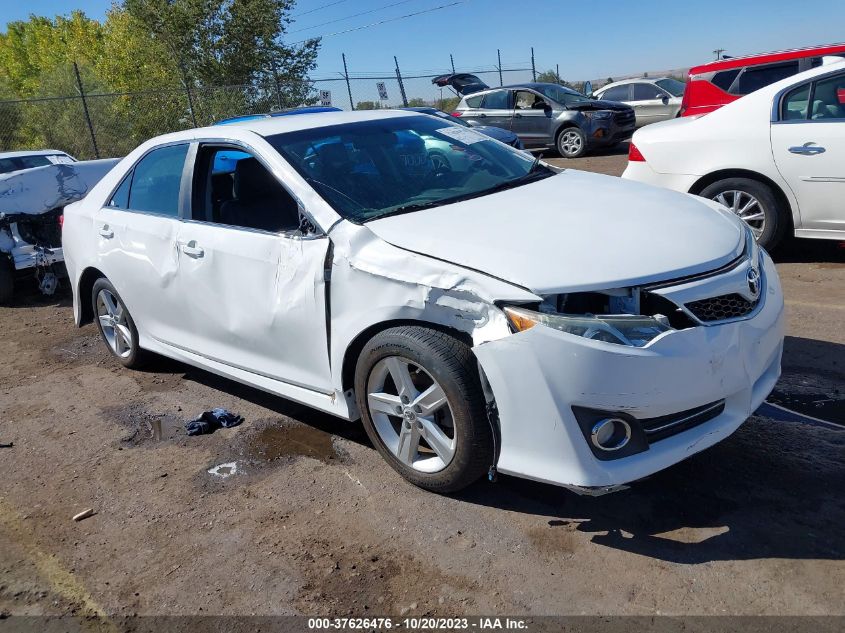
pixel 306 518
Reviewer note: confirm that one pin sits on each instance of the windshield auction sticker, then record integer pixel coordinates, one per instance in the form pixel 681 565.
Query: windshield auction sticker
pixel 463 134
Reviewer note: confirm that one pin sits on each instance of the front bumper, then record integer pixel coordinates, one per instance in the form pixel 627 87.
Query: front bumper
pixel 538 375
pixel 607 132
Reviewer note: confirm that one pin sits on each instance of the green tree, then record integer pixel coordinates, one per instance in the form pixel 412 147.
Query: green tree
pixel 550 77
pixel 447 104
pixel 368 105
pixel 416 102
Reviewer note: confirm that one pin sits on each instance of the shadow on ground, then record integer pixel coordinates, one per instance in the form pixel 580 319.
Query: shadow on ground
pixel 806 251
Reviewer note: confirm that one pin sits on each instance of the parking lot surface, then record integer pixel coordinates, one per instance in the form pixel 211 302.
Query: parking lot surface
pixel 301 515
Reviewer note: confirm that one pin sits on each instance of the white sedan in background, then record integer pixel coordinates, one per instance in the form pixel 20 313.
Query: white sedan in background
pixel 776 157
pixel 485 318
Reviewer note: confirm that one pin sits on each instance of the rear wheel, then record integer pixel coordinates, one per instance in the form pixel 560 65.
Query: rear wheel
pixel 7 280
pixel 116 325
pixel 755 204
pixel 423 407
pixel 571 142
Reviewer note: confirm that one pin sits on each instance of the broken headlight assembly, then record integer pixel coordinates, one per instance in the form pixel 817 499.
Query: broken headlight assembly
pixel 622 329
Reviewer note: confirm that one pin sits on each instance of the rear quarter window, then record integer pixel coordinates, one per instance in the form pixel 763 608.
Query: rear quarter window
pixel 474 102
pixel 755 78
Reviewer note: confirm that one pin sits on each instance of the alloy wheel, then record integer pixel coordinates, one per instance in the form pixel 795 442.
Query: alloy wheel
pixel 411 414
pixel 746 207
pixel 115 327
pixel 570 142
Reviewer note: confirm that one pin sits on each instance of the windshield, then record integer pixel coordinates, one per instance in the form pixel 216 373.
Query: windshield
pixel 372 169
pixel 561 94
pixel 672 86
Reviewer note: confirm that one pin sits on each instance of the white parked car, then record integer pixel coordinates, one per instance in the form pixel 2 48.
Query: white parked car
pixel 776 157
pixel 653 100
pixel 555 325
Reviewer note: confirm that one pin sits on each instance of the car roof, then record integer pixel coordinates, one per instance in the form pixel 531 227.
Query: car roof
pixel 535 85
pixel 631 80
pixel 34 152
pixel 767 58
pixel 286 112
pixel 279 125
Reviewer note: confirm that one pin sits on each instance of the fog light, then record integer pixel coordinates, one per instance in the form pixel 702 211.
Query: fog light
pixel 610 434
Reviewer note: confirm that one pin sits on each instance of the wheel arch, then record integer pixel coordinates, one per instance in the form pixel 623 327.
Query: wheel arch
pixel 705 181
pixel 354 348
pixel 85 286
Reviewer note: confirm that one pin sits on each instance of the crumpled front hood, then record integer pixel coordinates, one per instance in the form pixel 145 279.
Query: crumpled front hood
pixel 573 231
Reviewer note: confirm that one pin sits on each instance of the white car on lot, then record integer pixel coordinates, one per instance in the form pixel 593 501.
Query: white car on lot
pixel 776 157
pixel 555 325
pixel 653 100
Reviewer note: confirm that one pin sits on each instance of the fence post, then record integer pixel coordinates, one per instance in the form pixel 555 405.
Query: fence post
pixel 401 85
pixel 533 68
pixel 348 86
pixel 85 110
pixel 499 55
pixel 452 59
pixel 188 92
pixel 276 83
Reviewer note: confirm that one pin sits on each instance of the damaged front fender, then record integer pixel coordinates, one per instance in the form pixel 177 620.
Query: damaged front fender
pixel 373 282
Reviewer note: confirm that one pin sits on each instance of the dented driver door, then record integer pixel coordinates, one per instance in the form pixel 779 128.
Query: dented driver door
pixel 255 300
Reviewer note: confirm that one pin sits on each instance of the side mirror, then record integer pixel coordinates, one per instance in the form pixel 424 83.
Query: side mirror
pixel 664 99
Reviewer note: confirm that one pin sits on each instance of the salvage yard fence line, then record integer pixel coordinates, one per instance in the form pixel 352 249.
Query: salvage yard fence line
pixel 87 120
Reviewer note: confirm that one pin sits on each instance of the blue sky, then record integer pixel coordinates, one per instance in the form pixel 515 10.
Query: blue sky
pixel 587 39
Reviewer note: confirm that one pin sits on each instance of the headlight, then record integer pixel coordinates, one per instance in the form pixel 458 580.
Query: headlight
pixel 621 329
pixel 598 114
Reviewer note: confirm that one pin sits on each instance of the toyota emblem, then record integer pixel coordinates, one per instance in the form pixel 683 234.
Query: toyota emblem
pixel 753 278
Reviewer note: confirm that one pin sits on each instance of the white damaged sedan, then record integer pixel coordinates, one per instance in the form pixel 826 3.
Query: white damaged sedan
pixel 505 316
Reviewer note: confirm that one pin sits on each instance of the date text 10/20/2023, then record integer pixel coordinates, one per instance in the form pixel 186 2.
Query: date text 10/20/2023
pixel 418 624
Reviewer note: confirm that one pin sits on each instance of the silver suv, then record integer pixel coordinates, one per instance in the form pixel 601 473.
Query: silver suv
pixel 544 114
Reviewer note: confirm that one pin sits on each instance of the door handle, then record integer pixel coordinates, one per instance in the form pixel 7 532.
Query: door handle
pixel 106 232
pixel 517 115
pixel 191 249
pixel 482 116
pixel 807 149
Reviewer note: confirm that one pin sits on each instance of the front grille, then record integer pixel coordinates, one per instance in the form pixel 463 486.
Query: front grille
pixel 624 118
pixel 657 429
pixel 732 306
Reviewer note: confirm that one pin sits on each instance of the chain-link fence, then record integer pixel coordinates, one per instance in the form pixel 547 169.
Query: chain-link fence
pixel 89 123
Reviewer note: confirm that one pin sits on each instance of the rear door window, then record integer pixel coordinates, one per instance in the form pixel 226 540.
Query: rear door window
pixel 646 92
pixel 755 78
pixel 497 100
pixel 828 99
pixel 617 93
pixel 794 105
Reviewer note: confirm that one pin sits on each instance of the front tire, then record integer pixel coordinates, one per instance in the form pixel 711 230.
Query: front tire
pixel 755 204
pixel 571 142
pixel 115 324
pixel 423 407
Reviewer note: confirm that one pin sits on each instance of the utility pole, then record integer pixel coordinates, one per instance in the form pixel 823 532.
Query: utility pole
pixel 276 83
pixel 557 72
pixel 499 55
pixel 452 59
pixel 718 53
pixel 533 67
pixel 85 110
pixel 348 87
pixel 401 85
